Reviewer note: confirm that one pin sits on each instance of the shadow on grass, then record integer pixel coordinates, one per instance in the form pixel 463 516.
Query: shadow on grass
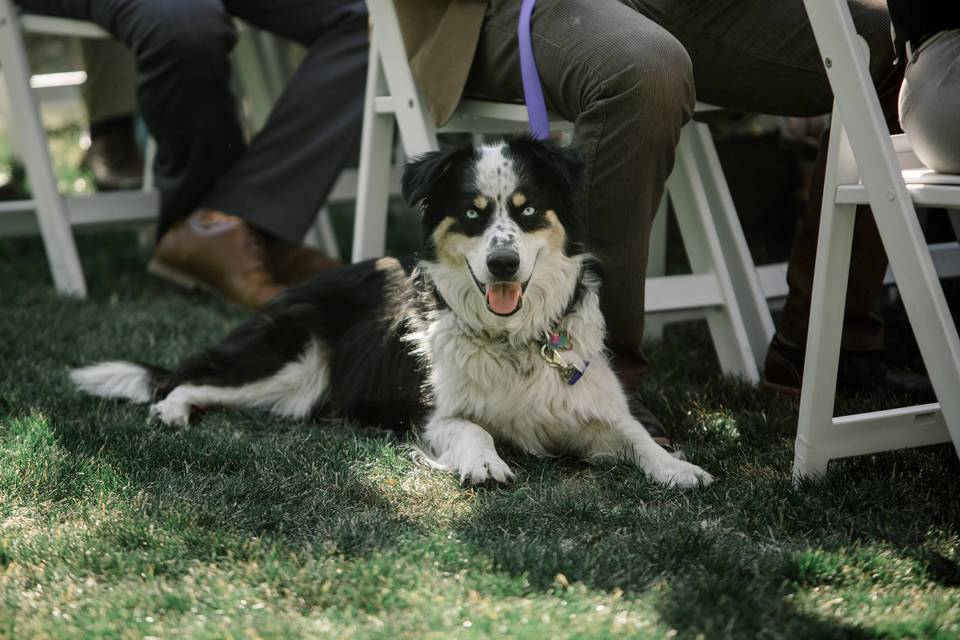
pixel 234 475
pixel 735 559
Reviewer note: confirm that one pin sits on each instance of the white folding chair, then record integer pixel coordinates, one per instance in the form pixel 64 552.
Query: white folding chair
pixel 867 166
pixel 48 210
pixel 724 287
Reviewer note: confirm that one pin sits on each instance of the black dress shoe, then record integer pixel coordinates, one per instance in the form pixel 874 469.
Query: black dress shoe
pixel 859 372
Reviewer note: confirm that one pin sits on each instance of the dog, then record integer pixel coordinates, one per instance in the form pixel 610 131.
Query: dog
pixel 494 335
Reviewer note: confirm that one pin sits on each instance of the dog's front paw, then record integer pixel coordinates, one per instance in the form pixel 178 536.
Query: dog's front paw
pixel 169 413
pixel 678 473
pixel 485 469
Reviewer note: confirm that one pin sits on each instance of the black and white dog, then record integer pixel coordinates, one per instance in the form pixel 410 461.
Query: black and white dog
pixel 495 336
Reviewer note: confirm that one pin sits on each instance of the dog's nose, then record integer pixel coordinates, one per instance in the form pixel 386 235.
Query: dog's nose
pixel 503 264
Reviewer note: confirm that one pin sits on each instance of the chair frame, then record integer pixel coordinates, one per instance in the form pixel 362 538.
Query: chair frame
pixel 261 73
pixel 724 287
pixel 864 167
pixel 53 215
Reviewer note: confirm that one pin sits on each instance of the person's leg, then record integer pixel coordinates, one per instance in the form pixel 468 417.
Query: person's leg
pixel 181 48
pixel 282 179
pixel 930 101
pixel 627 85
pixel 761 56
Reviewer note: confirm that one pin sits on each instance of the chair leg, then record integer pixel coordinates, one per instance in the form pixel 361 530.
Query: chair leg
pixel 417 130
pixel 703 249
pixel 51 209
pixel 743 273
pixel 373 175
pixel 825 329
pixel 926 305
pixel 323 236
pixel 653 324
pixel 823 341
pixel 149 157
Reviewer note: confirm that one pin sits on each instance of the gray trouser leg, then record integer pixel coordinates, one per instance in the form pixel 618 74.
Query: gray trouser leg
pixel 930 102
pixel 283 178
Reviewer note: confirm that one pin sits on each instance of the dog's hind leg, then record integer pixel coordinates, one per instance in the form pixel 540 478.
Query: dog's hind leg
pixel 465 448
pixel 292 391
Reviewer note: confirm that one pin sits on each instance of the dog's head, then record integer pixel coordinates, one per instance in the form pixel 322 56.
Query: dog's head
pixel 502 239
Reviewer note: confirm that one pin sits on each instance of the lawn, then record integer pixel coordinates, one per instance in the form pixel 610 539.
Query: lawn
pixel 245 525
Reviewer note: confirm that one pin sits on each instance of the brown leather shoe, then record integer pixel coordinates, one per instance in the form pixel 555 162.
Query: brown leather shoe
pixel 294 263
pixel 219 253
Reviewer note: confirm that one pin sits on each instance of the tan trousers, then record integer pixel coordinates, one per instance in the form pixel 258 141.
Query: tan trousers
pixel 110 89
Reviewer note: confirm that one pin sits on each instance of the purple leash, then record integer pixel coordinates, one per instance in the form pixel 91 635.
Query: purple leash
pixel 532 90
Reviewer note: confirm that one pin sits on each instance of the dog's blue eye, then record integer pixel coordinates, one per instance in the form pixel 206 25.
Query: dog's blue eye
pixel 529 211
pixel 472 213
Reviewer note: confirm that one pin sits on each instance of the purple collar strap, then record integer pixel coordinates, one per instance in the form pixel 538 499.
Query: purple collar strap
pixel 532 90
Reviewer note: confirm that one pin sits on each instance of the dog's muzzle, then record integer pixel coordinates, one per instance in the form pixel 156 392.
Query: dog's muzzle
pixel 502 298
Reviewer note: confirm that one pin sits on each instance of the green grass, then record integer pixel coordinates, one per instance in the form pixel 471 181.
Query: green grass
pixel 65 150
pixel 250 526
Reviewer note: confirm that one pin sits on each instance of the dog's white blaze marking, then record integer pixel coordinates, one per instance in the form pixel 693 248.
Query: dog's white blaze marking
pixel 496 176
pixel 291 392
pixel 114 380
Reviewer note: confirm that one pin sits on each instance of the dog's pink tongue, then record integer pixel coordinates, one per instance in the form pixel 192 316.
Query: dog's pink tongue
pixel 503 297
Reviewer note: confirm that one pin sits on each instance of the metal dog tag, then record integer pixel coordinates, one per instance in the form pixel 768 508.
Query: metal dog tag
pixel 569 373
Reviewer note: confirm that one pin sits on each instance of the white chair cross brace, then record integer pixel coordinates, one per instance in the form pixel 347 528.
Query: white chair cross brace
pixel 867 166
pixel 724 286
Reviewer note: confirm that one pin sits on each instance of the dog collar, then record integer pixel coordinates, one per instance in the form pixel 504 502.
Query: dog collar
pixel 552 349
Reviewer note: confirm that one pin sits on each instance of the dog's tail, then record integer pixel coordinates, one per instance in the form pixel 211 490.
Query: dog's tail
pixel 119 379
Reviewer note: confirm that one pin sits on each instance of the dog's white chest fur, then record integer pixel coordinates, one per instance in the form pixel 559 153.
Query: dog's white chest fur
pixel 516 396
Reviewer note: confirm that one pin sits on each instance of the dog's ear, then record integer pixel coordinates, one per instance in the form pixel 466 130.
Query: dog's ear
pixel 422 174
pixel 566 163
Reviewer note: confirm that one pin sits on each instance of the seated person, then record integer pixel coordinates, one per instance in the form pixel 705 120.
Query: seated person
pixel 927 35
pixel 232 216
pixel 628 74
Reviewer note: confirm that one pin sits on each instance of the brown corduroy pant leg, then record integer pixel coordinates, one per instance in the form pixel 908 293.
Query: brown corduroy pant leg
pixel 627 74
